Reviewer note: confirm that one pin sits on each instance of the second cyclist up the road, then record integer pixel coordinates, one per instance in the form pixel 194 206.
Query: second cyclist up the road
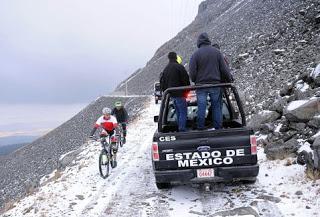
pixel 122 117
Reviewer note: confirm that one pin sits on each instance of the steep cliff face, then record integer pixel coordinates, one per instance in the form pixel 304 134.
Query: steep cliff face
pixel 269 42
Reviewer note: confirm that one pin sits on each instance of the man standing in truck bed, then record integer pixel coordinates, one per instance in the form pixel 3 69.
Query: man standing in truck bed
pixel 207 66
pixel 175 75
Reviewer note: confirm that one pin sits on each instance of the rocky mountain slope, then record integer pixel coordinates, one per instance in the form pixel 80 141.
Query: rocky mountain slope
pixel 269 43
pixel 21 171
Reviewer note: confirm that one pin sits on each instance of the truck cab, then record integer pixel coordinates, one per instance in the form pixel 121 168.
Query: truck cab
pixel 209 155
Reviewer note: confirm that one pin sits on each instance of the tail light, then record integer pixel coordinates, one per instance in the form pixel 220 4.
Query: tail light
pixel 155 151
pixel 187 94
pixel 190 96
pixel 253 142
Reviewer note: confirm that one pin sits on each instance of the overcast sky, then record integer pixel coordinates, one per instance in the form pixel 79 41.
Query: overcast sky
pixel 72 51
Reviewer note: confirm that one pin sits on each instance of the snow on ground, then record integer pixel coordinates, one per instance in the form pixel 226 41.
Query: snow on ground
pixel 281 189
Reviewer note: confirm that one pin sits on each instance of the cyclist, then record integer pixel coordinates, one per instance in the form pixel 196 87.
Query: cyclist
pixel 122 117
pixel 107 122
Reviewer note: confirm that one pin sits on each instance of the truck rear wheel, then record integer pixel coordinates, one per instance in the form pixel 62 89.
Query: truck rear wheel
pixel 162 185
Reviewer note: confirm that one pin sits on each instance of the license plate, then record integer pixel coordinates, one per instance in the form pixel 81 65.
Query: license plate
pixel 205 173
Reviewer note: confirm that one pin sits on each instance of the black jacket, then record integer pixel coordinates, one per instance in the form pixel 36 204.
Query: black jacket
pixel 174 75
pixel 121 114
pixel 207 65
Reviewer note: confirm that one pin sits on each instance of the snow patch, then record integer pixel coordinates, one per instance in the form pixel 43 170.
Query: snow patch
pixel 305 147
pixel 265 112
pixel 316 135
pixel 295 104
pixel 277 130
pixel 316 72
pixel 302 86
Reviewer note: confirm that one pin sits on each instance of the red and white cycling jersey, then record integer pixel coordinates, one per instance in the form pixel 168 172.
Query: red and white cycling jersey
pixel 107 125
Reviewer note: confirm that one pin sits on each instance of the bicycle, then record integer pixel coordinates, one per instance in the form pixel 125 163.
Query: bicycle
pixel 108 154
pixel 119 135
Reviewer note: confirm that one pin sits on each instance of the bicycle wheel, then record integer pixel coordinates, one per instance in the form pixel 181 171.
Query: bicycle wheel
pixel 104 160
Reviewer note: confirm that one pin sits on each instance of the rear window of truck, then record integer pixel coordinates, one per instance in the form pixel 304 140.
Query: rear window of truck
pixel 230 112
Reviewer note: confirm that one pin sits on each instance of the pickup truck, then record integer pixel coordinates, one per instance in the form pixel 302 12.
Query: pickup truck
pixel 203 156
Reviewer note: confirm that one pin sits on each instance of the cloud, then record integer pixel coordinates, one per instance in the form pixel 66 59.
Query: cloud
pixel 72 51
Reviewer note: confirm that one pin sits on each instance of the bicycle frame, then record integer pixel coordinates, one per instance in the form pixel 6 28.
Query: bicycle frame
pixel 106 144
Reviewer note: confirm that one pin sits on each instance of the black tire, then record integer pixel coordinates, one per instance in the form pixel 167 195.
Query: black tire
pixel 162 185
pixel 104 166
pixel 156 101
pixel 113 161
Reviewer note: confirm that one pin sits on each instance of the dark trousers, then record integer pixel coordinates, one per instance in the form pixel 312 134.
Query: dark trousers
pixel 180 105
pixel 216 106
pixel 124 128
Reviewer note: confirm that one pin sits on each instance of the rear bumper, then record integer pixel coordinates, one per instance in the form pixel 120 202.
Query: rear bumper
pixel 221 174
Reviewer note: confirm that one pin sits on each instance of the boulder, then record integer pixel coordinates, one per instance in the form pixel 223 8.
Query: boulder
pixel 262 117
pixel 281 149
pixel 302 110
pixel 315 122
pixel 67 159
pixel 286 90
pixel 278 105
pixel 315 75
pixel 301 90
pixel 297 126
pixel 267 128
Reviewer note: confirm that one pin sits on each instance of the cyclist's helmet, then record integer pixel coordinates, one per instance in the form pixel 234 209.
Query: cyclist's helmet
pixel 118 104
pixel 106 111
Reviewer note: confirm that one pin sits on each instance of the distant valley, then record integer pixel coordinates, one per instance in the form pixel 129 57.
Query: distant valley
pixel 11 143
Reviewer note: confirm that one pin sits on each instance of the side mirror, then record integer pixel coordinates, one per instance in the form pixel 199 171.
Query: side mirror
pixel 156 118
